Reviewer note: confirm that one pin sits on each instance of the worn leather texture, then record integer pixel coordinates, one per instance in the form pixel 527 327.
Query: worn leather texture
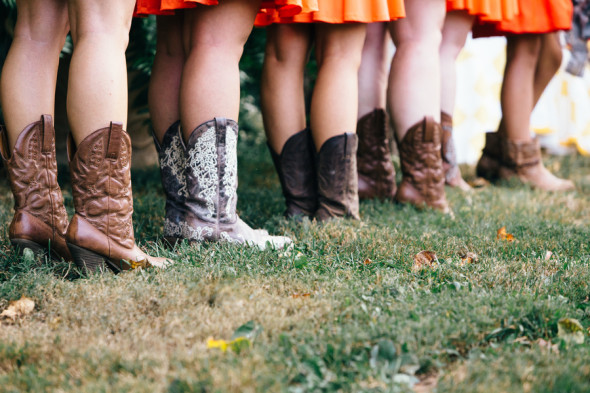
pixel 173 162
pixel 40 215
pixel 376 174
pixel 297 174
pixel 423 177
pixel 523 160
pixel 337 178
pixel 488 164
pixel 212 182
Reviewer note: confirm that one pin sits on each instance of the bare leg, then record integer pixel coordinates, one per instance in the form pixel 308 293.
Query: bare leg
pixel 164 91
pixel 548 64
pixel 283 101
pixel 334 103
pixel 27 86
pixel 210 84
pixel 525 77
pixel 373 71
pixel 522 53
pixel 414 80
pixel 97 90
pixel 456 28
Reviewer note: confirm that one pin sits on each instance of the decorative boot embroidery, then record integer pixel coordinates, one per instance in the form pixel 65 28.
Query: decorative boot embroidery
pixel 203 162
pixel 174 158
pixel 183 230
pixel 230 177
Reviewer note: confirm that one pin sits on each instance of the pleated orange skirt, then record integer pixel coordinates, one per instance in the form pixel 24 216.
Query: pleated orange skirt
pixel 283 8
pixel 486 10
pixel 341 11
pixel 535 17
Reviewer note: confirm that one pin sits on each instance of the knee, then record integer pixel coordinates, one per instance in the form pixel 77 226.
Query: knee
pixel 286 53
pixel 45 24
pixel 428 41
pixel 523 50
pixel 97 26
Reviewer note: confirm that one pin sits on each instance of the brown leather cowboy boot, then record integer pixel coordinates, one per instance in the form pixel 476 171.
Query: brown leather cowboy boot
pixel 101 234
pixel 423 180
pixel 376 175
pixel 172 157
pixel 452 172
pixel 40 219
pixel 488 165
pixel 212 182
pixel 296 170
pixel 523 161
pixel 337 178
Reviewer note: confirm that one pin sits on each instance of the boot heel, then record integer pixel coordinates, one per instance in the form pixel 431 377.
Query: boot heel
pixel 87 260
pixel 20 244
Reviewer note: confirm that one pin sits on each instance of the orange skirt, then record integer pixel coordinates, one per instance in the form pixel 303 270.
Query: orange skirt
pixel 340 11
pixel 284 8
pixel 535 17
pixel 486 10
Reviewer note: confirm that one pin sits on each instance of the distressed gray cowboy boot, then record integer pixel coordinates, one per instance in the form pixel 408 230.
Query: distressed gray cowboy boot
pixel 212 182
pixel 172 157
pixel 423 180
pixel 453 176
pixel 376 175
pixel 100 234
pixel 296 170
pixel 337 178
pixel 40 219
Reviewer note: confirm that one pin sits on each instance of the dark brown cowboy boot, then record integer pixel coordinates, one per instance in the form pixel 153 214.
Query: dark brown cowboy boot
pixel 376 175
pixel 101 234
pixel 523 161
pixel 296 169
pixel 212 182
pixel 172 157
pixel 452 172
pixel 488 165
pixel 423 180
pixel 40 219
pixel 337 178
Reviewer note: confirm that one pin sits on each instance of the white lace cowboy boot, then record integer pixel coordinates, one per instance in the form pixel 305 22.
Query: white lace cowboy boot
pixel 212 182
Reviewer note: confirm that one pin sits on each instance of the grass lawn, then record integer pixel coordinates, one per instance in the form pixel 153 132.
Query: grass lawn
pixel 343 311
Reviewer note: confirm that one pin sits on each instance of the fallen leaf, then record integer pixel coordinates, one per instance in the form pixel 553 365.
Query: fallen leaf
pixel 301 295
pixel 469 257
pixel 367 261
pixel 425 259
pixel 570 330
pixel 235 345
pixel 548 255
pixel 502 235
pixel 19 308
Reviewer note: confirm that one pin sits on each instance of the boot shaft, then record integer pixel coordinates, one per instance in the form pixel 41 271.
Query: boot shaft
pixel 423 181
pixel 32 171
pixel 297 174
pixel 172 157
pixel 337 178
pixel 101 182
pixel 212 172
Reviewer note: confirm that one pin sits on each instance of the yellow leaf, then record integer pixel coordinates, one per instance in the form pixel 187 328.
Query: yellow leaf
pixel 18 308
pixel 221 344
pixel 367 261
pixel 503 235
